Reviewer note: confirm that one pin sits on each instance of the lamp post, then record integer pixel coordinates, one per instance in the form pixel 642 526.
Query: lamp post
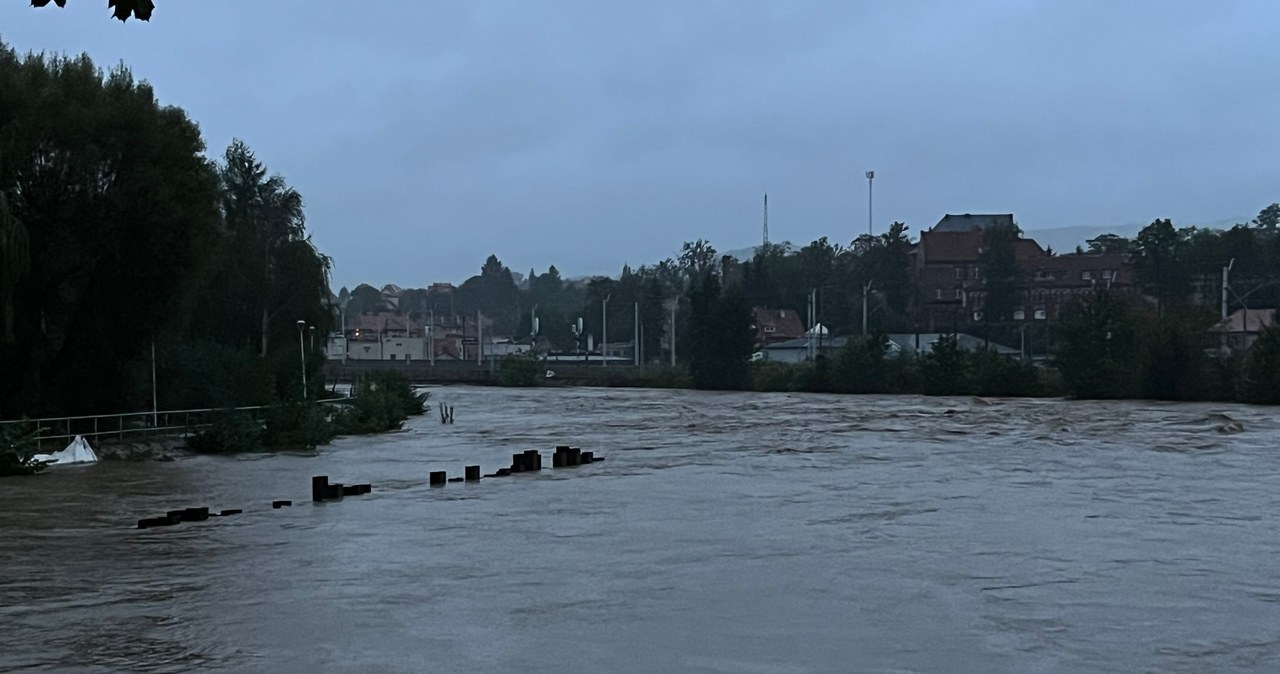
pixel 302 356
pixel 311 344
pixel 604 331
pixel 870 176
pixel 1225 285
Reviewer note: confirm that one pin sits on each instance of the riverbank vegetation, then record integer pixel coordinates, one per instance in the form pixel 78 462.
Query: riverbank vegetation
pixel 125 251
pixel 381 401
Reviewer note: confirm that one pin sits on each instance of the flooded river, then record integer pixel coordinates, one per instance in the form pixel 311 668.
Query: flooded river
pixel 724 533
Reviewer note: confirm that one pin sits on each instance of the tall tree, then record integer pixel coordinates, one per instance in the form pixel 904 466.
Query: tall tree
pixel 1158 264
pixel 720 336
pixel 1000 271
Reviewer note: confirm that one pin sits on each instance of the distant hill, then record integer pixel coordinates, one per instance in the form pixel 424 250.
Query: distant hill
pixel 1065 239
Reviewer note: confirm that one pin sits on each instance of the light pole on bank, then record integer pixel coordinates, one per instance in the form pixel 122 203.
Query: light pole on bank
pixel 302 356
pixel 870 176
pixel 604 331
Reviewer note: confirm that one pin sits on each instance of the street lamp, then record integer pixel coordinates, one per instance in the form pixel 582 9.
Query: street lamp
pixel 604 331
pixel 302 355
pixel 1225 285
pixel 311 345
pixel 870 176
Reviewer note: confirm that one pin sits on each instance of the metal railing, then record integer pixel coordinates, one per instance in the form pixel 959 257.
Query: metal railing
pixel 56 432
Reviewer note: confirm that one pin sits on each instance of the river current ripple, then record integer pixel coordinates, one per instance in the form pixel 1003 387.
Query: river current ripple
pixel 726 532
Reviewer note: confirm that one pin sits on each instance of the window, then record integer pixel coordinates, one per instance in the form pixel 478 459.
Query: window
pixel 973 272
pixel 977 315
pixel 1040 314
pixel 959 273
pixel 1019 315
pixel 1106 273
pixel 959 294
pixel 769 328
pixel 1086 275
pixel 937 294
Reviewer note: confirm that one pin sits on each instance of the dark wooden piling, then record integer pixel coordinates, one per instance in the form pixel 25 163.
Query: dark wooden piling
pixel 195 514
pixel 319 488
pixel 438 477
pixel 573 457
pixel 281 504
pixel 587 457
pixel 472 473
pixel 532 459
pixel 230 511
pixel 517 463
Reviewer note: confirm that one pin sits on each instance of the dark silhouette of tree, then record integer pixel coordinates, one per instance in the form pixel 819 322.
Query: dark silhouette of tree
pixel 720 338
pixel 1268 218
pixel 1098 346
pixel 1157 258
pixel 120 9
pixel 1000 271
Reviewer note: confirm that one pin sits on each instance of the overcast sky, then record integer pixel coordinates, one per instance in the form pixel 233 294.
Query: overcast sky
pixel 426 135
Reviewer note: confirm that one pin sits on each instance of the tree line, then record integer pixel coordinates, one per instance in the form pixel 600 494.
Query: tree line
pixel 122 245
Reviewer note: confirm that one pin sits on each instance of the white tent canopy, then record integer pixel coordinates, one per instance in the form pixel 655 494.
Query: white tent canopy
pixel 78 451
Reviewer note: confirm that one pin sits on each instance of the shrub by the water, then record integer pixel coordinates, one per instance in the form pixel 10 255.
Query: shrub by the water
pixel 1260 382
pixel 519 370
pixel 297 424
pixel 381 401
pixel 17 445
pixel 232 431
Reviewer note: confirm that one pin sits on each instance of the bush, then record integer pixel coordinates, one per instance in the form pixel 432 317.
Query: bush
pixel 772 376
pixel 993 374
pixel 297 424
pixel 232 431
pixel 1261 380
pixel 519 370
pixel 860 366
pixel 942 370
pixel 382 401
pixel 17 445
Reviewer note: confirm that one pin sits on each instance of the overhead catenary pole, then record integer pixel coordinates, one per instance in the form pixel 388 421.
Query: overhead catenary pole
pixel 635 344
pixel 479 338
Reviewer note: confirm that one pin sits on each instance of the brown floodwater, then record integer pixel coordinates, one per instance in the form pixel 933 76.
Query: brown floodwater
pixel 726 532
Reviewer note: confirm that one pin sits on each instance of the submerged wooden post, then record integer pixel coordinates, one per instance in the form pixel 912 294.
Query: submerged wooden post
pixel 587 457
pixel 319 488
pixel 438 478
pixel 517 463
pixel 472 473
pixel 532 459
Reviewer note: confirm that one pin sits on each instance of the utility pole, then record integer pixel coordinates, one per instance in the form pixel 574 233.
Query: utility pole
pixel 1225 271
pixel 870 176
pixel 673 331
pixel 302 355
pixel 431 338
pixel 604 331
pixel 479 338
pixel 155 408
pixel 635 345
pixel 865 289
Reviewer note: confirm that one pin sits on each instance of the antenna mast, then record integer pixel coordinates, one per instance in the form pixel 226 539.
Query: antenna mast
pixel 766 218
